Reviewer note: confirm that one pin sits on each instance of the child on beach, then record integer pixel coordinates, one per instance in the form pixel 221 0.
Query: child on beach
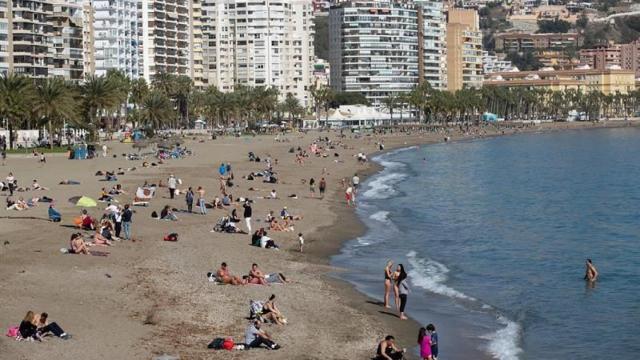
pixel 431 329
pixel 300 241
pixel 424 341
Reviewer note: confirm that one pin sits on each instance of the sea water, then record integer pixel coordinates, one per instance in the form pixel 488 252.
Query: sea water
pixel 494 234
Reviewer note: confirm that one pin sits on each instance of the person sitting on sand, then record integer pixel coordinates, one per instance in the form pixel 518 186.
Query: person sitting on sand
pixel 273 194
pixel 54 215
pixel 234 216
pixel 591 273
pixel 254 337
pixel 226 200
pixel 271 313
pixel 387 350
pixel 217 203
pixel 36 186
pixel 45 327
pixel 224 276
pixel 69 182
pixel 270 217
pixel 87 222
pixel 167 214
pixel 19 205
pixel 117 190
pixel 99 238
pixel 285 215
pixel 77 245
pixel 28 327
pixel 256 276
pixel 104 195
pixel 266 242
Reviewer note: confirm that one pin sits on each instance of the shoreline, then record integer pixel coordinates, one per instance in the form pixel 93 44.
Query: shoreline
pixel 408 329
pixel 146 292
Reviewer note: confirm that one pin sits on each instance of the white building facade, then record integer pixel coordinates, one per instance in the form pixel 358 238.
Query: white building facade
pixel 383 48
pixel 115 31
pixel 259 43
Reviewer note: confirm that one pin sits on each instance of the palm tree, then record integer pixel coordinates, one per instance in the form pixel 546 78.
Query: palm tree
pixel 156 110
pixel 98 95
pixel 390 103
pixel 138 92
pixel 181 92
pixel 55 101
pixel 16 95
pixel 122 87
pixel 292 107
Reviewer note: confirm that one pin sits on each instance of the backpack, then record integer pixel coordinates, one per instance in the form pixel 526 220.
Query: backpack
pixel 171 237
pixel 216 344
pixel 13 331
pixel 255 308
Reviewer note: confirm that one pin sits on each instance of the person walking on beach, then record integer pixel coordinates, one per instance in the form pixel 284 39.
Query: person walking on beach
pixel 424 341
pixel 323 187
pixel 11 183
pixel 348 195
pixel 202 201
pixel 591 273
pixel 247 214
pixel 104 150
pixel 127 217
pixel 403 290
pixel 355 181
pixel 172 183
pixel 189 199
pixel 388 282
pixel 312 187
pixel 300 241
pixel 431 330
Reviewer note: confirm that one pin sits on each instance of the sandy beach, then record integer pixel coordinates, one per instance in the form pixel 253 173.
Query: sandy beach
pixel 152 297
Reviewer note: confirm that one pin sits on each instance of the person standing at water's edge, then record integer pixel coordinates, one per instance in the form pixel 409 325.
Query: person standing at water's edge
pixel 591 273
pixel 424 341
pixel 403 290
pixel 431 330
pixel 388 282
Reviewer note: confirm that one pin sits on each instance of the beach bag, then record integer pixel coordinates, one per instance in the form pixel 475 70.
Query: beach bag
pixel 13 331
pixel 255 308
pixel 216 344
pixel 171 237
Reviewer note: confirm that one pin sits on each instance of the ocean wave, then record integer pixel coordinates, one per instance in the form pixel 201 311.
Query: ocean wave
pixel 431 275
pixel 503 344
pixel 381 216
pixel 382 186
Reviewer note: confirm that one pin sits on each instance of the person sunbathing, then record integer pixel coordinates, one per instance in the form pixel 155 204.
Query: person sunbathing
pixel 285 215
pixel 19 205
pixel 217 203
pixel 256 276
pixel 117 190
pixel 77 245
pixel 104 196
pixel 100 237
pixel 69 182
pixel 54 214
pixel 224 276
pixel 276 226
pixel 234 216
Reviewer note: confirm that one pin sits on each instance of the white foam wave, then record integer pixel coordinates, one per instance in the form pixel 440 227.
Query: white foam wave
pixel 503 344
pixel 431 275
pixel 381 216
pixel 382 187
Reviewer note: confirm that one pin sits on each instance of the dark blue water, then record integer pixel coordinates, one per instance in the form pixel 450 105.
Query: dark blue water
pixel 494 234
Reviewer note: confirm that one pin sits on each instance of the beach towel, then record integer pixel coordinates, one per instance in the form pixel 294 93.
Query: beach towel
pixel 145 194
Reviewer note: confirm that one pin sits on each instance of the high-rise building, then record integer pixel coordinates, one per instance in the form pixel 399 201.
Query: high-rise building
pixel 464 49
pixel 373 48
pixel 115 29
pixel 166 34
pixel 89 49
pixel 196 65
pixel 433 55
pixel 630 56
pixel 383 48
pixel 253 43
pixel 5 58
pixel 67 39
pixel 29 37
pixel 602 57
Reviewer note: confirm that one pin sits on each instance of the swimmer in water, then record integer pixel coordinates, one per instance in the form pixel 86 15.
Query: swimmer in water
pixel 591 274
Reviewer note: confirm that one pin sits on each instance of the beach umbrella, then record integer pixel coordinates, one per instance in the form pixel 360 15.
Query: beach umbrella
pixel 83 201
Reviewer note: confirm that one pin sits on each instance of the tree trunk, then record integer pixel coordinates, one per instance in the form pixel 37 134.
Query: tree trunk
pixel 50 134
pixel 11 138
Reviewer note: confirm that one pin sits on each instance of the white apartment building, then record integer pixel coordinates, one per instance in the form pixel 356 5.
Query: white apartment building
pixel 166 33
pixel 4 37
pixel 259 43
pixel 434 46
pixel 492 63
pixel 380 48
pixel 196 68
pixel 115 31
pixel 29 37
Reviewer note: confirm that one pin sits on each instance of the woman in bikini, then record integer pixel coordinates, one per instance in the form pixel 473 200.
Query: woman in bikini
pixel 256 276
pixel 388 281
pixel 77 245
pixel 271 313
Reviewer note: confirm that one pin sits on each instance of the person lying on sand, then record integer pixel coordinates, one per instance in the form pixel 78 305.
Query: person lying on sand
pixel 285 215
pixel 18 205
pixel 36 186
pixel 69 182
pixel 224 276
pixel 276 226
